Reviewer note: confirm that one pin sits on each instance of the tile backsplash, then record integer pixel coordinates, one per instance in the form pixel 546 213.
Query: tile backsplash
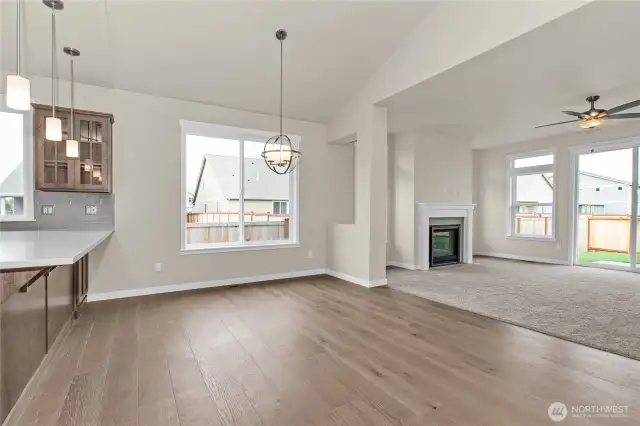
pixel 70 211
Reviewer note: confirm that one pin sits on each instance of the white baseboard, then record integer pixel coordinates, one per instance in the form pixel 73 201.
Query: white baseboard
pixel 355 280
pixel 525 258
pixel 95 297
pixel 403 265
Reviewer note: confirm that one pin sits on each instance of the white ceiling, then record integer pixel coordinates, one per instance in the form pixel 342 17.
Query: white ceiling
pixel 220 52
pixel 500 96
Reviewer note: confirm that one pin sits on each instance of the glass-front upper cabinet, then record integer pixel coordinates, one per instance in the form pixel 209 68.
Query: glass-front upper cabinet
pixel 91 170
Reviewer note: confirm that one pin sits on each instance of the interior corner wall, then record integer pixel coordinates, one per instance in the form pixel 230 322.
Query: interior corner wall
pixel 401 248
pixel 491 192
pixel 359 250
pixel 424 168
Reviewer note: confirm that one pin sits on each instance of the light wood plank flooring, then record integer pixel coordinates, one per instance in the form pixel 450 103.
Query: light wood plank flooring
pixel 313 352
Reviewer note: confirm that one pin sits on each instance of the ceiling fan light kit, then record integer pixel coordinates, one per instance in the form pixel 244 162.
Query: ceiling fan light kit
pixel 590 123
pixel 595 117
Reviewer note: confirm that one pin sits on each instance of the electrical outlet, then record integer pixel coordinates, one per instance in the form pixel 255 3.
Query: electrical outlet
pixel 47 210
pixel 90 210
pixel 310 254
pixel 158 267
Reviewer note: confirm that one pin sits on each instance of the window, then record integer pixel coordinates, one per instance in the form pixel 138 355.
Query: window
pixel 244 205
pixel 532 196
pixel 16 165
pixel 280 207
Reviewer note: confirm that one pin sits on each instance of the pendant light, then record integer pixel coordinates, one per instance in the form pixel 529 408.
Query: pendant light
pixel 18 87
pixel 280 153
pixel 53 125
pixel 72 144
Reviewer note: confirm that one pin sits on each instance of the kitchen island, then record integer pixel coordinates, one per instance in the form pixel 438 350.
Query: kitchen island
pixel 43 284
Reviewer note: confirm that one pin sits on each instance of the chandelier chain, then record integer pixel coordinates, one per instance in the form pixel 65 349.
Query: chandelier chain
pixel 18 23
pixel 281 83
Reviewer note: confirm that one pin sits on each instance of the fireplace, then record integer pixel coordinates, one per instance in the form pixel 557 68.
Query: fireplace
pixel 444 241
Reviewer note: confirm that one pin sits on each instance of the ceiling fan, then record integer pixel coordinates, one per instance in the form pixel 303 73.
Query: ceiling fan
pixel 595 117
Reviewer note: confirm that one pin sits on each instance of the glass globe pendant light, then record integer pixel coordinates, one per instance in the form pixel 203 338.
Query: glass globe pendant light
pixel 53 125
pixel 72 144
pixel 18 87
pixel 280 152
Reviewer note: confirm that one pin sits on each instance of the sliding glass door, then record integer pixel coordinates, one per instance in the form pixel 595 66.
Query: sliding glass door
pixel 606 221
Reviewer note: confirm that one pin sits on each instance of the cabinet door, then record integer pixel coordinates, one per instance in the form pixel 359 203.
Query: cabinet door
pixel 23 341
pixel 93 135
pixel 54 170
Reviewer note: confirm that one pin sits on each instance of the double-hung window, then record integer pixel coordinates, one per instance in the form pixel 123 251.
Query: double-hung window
pixel 233 201
pixel 532 194
pixel 16 164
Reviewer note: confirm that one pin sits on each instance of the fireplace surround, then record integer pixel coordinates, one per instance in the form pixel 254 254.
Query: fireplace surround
pixel 445 214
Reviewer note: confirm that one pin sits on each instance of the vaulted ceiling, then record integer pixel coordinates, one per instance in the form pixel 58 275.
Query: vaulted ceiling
pixel 501 95
pixel 219 52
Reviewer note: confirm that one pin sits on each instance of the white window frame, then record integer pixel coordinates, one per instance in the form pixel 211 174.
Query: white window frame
pixel 27 166
pixel 241 135
pixel 512 204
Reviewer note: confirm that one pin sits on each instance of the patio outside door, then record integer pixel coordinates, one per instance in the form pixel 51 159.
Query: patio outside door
pixel 606 222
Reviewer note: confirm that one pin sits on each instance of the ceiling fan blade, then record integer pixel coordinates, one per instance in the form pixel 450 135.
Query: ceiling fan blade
pixel 555 124
pixel 623 107
pixel 576 114
pixel 621 116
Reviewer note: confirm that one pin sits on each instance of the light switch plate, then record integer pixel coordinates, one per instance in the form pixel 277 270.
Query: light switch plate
pixel 47 210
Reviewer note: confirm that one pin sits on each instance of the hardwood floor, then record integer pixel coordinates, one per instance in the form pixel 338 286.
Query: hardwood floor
pixel 314 352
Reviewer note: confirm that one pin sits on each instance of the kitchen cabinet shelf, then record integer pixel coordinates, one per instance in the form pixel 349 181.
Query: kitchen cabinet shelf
pixel 91 171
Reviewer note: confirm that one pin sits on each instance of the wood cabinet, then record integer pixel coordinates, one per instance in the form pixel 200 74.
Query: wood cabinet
pixel 35 306
pixel 91 171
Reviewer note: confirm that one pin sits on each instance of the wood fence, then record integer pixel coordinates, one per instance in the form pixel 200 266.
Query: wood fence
pixel 609 233
pixel 533 224
pixel 230 217
pixel 222 227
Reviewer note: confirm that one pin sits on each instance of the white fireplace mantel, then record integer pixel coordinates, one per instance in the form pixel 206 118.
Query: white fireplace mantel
pixel 426 211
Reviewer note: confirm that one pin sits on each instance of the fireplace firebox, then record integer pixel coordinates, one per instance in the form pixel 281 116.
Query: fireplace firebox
pixel 444 241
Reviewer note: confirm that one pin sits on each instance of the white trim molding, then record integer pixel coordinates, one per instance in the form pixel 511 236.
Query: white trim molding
pixel 524 258
pixel 95 297
pixel 403 265
pixel 122 294
pixel 356 280
pixel 427 211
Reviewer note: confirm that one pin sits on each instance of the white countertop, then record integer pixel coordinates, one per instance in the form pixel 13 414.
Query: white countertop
pixel 33 249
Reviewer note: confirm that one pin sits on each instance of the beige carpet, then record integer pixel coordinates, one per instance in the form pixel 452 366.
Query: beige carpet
pixel 593 307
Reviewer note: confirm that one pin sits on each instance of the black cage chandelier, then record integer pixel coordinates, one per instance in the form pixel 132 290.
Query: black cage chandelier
pixel 280 152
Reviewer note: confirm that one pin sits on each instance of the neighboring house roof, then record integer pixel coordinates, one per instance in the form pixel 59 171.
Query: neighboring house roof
pixel 548 177
pixel 260 182
pixel 608 178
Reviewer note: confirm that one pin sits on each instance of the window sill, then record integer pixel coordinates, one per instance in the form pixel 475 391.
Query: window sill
pixel 244 247
pixel 531 238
